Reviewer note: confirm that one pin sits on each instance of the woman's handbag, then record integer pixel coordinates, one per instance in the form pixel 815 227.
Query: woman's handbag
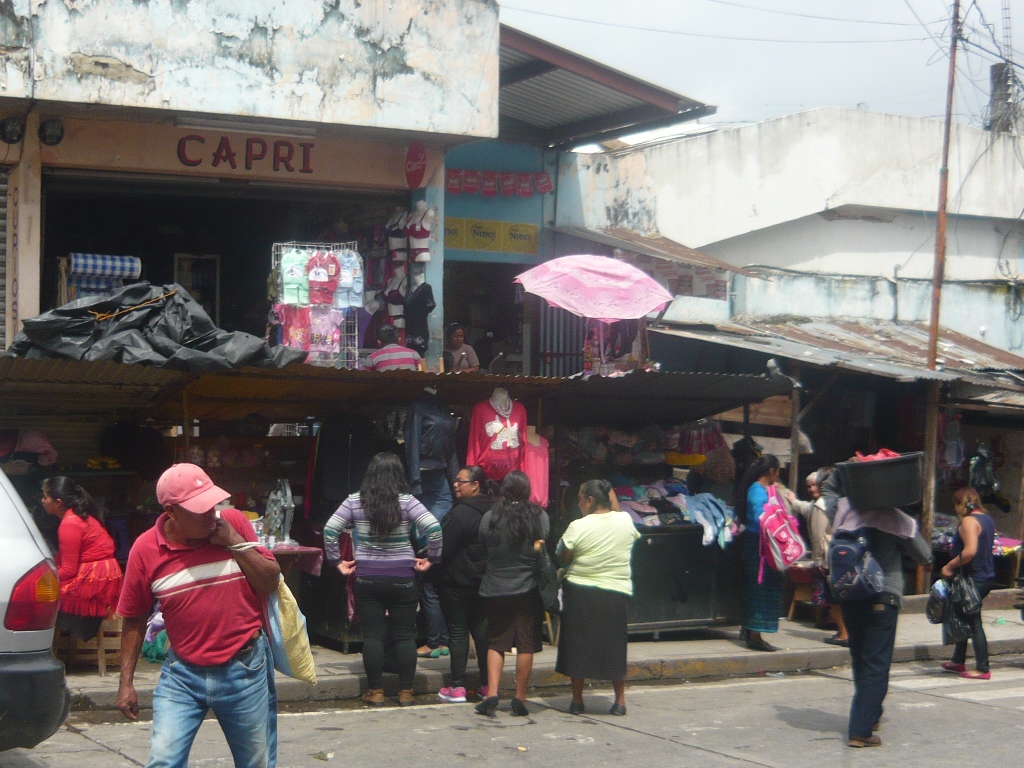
pixel 547 583
pixel 964 595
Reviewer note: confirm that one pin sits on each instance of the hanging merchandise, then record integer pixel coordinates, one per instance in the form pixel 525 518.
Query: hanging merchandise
pixel 419 303
pixel 524 184
pixel 470 182
pixel 322 269
pixel 277 519
pixel 453 181
pixel 430 459
pixel 489 183
pixel 294 285
pixel 543 182
pixel 509 184
pixel 953 450
pixel 536 466
pixel 349 292
pixel 497 435
pixel 394 294
pixel 398 240
pixel 419 227
pixel 321 285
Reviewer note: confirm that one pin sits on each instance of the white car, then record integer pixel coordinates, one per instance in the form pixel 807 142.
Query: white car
pixel 34 698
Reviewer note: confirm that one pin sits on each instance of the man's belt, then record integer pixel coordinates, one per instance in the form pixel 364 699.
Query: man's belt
pixel 249 645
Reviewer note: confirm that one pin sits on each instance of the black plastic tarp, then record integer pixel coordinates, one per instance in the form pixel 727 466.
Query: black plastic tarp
pixel 144 324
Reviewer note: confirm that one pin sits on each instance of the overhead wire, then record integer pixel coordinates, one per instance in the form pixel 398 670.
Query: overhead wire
pixel 710 36
pixel 797 14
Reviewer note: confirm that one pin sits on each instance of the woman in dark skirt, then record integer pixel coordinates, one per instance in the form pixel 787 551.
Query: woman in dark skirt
pixel 597 549
pixel 512 535
pixel 762 596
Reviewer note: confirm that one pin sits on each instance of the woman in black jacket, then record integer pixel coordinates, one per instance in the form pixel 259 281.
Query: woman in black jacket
pixel 462 566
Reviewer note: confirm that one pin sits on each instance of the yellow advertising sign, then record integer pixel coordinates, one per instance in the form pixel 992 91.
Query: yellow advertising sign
pixel 520 238
pixel 454 232
pixel 483 235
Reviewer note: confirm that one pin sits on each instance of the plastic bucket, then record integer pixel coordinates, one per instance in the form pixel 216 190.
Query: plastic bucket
pixel 883 483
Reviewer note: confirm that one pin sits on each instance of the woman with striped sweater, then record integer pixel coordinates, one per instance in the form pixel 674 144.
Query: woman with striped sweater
pixel 384 520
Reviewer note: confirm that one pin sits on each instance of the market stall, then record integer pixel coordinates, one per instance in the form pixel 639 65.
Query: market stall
pixel 648 434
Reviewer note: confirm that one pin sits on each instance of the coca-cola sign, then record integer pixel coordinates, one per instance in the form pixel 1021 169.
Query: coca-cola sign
pixel 415 165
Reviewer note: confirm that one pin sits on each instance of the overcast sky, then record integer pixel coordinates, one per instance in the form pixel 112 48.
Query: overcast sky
pixel 788 62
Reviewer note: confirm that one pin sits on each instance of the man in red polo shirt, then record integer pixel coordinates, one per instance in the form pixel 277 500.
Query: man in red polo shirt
pixel 212 588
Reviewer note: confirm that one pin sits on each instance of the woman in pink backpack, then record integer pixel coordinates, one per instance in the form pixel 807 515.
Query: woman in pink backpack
pixel 762 598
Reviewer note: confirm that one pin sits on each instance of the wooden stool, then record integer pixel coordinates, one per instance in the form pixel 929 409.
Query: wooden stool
pixel 103 649
pixel 800 579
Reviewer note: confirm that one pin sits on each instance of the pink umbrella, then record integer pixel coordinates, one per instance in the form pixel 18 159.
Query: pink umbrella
pixel 597 287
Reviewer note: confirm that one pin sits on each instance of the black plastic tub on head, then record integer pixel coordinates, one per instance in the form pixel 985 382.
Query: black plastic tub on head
pixel 884 482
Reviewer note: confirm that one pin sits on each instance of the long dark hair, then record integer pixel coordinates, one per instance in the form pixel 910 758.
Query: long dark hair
pixel 514 512
pixel 73 496
pixel 383 483
pixel 488 487
pixel 599 491
pixel 764 464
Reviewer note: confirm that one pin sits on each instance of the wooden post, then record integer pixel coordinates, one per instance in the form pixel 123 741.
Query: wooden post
pixel 931 450
pixel 794 441
pixel 24 231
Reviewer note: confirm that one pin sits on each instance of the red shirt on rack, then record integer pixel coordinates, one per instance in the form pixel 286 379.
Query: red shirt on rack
pixel 497 443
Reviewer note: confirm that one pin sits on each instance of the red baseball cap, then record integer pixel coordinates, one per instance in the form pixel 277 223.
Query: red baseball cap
pixel 188 486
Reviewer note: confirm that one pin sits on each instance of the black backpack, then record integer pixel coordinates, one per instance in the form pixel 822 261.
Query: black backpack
pixel 853 573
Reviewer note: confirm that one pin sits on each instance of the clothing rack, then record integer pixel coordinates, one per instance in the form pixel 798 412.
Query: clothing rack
pixel 280 248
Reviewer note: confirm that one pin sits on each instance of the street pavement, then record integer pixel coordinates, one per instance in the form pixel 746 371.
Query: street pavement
pixel 793 719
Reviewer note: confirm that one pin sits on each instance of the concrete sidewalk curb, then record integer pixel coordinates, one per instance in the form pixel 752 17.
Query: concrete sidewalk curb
pixel 740 664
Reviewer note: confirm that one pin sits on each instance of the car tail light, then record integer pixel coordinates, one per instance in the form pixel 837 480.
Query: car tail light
pixel 33 603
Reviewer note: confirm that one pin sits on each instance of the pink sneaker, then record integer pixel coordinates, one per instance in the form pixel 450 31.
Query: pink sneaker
pixel 454 695
pixel 949 666
pixel 482 691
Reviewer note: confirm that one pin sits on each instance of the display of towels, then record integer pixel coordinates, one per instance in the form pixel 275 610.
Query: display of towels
pixel 97 274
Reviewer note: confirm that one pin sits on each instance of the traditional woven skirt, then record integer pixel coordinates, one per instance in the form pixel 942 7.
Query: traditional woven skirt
pixel 592 639
pixel 762 603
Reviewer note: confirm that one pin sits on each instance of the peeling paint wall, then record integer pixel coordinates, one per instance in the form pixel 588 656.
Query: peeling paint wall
pixel 419 65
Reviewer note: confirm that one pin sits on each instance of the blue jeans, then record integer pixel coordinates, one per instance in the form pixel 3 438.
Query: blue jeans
pixel 872 629
pixel 437 492
pixel 437 625
pixel 241 694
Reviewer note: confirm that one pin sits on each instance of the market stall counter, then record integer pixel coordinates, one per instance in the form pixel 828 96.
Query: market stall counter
pixel 647 433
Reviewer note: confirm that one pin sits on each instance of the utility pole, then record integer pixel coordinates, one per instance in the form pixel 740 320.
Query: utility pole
pixel 940 227
pixel 931 427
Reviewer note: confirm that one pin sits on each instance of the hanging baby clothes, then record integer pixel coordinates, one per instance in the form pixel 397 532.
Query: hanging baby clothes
pixel 324 334
pixel 294 326
pixel 323 269
pixel 496 439
pixel 418 306
pixel 535 465
pixel 349 292
pixel 294 283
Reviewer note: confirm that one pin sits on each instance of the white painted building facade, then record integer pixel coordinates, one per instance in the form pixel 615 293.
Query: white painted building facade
pixel 834 209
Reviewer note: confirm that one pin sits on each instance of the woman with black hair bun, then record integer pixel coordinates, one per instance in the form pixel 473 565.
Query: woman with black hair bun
pixel 597 549
pixel 90 578
pixel 512 534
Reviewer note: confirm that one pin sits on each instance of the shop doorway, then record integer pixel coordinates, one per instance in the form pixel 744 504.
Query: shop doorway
pixel 160 219
pixel 484 300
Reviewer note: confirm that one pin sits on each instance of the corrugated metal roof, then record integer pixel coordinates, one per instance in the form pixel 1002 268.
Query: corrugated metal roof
pixel 67 386
pixel 664 396
pixel 650 245
pixel 895 350
pixel 552 96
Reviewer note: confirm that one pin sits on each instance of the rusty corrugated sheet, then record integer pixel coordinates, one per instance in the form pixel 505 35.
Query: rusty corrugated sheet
pixel 896 350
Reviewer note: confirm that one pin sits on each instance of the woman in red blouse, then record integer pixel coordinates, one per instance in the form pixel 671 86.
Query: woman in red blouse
pixel 90 577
